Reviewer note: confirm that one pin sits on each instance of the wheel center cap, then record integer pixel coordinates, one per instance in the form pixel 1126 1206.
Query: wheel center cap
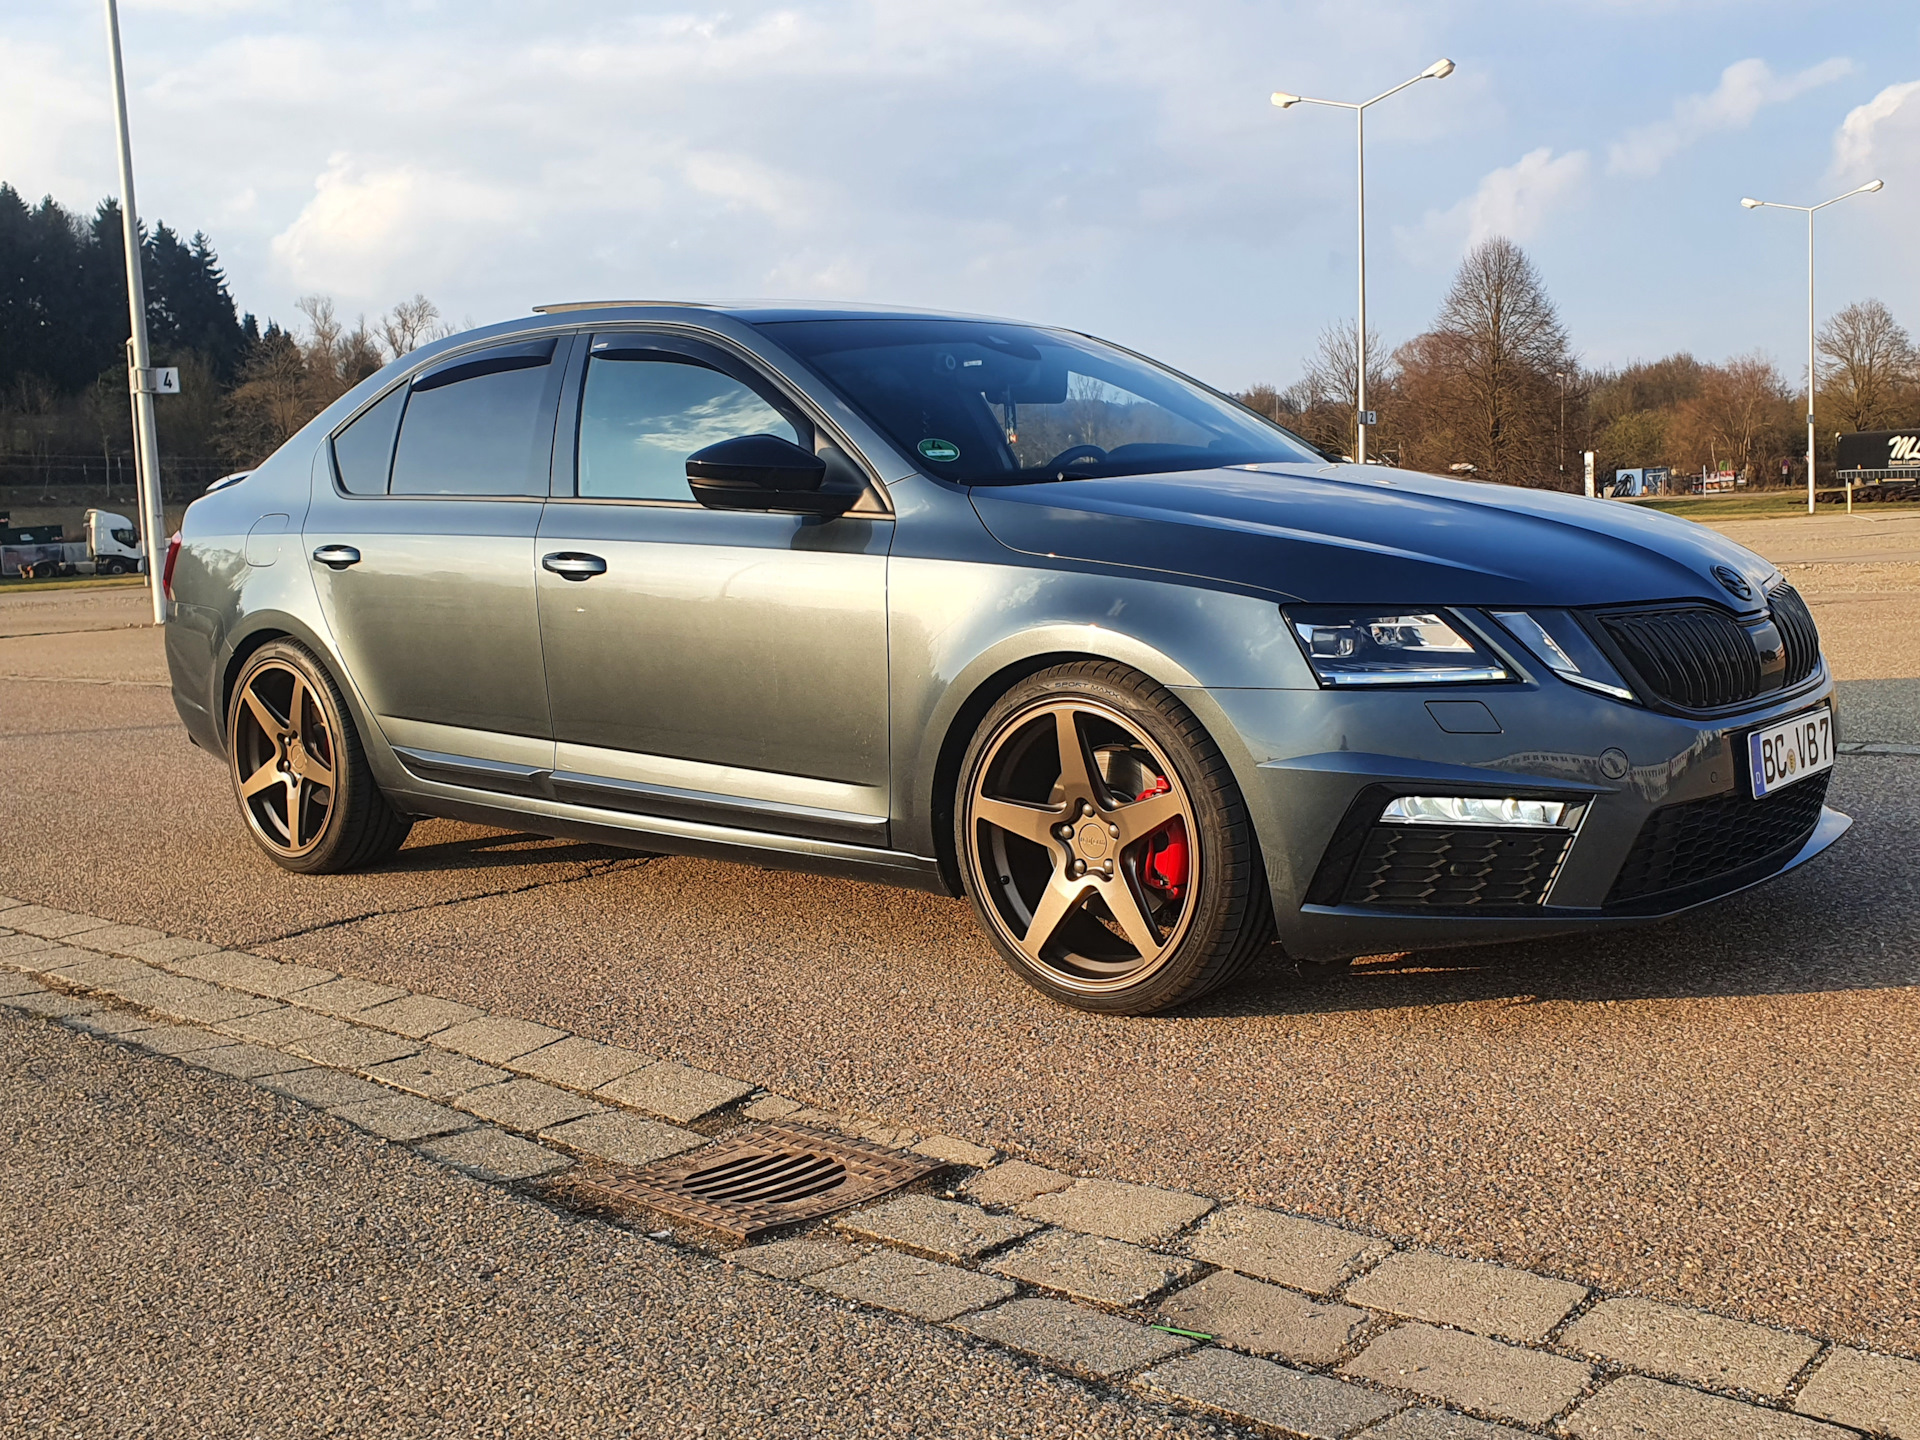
pixel 1092 840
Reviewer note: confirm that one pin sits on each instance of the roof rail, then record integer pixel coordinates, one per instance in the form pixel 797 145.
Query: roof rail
pixel 619 305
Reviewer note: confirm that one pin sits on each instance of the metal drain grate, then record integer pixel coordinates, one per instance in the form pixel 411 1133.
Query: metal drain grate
pixel 760 1179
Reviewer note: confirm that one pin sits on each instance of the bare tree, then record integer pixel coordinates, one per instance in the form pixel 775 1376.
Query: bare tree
pixel 411 324
pixel 1867 360
pixel 1479 389
pixel 1332 406
pixel 1742 414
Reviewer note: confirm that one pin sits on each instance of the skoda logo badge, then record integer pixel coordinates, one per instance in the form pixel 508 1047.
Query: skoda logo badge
pixel 1733 580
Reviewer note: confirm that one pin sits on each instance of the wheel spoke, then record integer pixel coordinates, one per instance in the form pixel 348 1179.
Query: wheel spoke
pixel 296 803
pixel 1079 778
pixel 297 712
pixel 1029 822
pixel 1140 818
pixel 1125 904
pixel 1061 899
pixel 308 766
pixel 267 774
pixel 263 713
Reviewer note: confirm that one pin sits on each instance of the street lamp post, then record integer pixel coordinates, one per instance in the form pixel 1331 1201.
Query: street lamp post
pixel 1809 211
pixel 1439 70
pixel 1561 443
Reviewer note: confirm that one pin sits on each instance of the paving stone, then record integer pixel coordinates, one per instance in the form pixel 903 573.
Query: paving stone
pixel 1635 1408
pixel 51 924
pixel 893 1137
pixel 770 1107
pixel 352 1047
pixel 1266 1319
pixel 1427 1424
pixel 1263 1393
pixel 943 1229
pixel 52 957
pixel 1116 1210
pixel 793 1259
pixel 109 1024
pixel 323 1087
pixel 580 1064
pixel 417 1016
pixel 497 1039
pixel 16 945
pixel 1092 1267
pixel 675 1092
pixel 116 939
pixel 344 996
pixel 1707 1350
pixel 954 1151
pixel 401 1117
pixel 249 1062
pixel 281 1025
pixel 177 1039
pixel 624 1139
pixel 184 999
pixel 910 1285
pixel 1874 1392
pixel 525 1105
pixel 1487 1299
pixel 1485 1376
pixel 50 1003
pixel 1013 1182
pixel 1072 1336
pixel 437 1074
pixel 20 985
pixel 256 973
pixel 173 947
pixel 1306 1254
pixel 99 971
pixel 493 1155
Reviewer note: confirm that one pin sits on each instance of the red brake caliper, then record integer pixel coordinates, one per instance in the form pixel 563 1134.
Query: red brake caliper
pixel 1166 863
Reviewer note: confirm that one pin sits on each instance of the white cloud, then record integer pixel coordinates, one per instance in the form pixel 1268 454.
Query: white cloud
pixel 1857 144
pixel 1515 201
pixel 1745 87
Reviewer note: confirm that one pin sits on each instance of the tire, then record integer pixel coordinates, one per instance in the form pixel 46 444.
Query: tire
pixel 1093 901
pixel 114 567
pixel 299 771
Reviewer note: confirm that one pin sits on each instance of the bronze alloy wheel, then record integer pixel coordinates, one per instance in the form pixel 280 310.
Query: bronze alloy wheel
pixel 299 770
pixel 284 759
pixel 1074 814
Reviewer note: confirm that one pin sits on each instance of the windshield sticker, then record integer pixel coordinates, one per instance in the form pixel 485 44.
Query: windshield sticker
pixel 941 451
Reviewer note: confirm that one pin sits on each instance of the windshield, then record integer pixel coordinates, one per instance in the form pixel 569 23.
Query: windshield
pixel 989 404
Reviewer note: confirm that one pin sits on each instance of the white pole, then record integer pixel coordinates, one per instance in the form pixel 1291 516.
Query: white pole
pixel 153 522
pixel 1360 354
pixel 1590 492
pixel 1810 358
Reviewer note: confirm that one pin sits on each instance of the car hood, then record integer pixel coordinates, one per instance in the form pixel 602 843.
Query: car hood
pixel 1350 534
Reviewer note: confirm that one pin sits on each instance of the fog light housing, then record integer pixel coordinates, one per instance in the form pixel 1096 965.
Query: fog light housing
pixel 1504 811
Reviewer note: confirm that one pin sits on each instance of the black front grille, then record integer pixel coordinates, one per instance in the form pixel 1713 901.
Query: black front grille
pixel 1797 630
pixel 1435 867
pixel 1700 658
pixel 1681 846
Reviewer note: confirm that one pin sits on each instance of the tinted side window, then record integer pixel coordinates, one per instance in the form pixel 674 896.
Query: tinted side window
pixel 482 426
pixel 363 452
pixel 640 418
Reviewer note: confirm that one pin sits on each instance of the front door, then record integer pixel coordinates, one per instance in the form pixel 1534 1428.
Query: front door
pixel 723 667
pixel 421 537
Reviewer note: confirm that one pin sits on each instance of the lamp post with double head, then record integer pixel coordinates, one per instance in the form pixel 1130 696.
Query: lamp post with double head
pixel 1439 70
pixel 1809 211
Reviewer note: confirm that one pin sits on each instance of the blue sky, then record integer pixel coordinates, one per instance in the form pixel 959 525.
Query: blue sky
pixel 1112 165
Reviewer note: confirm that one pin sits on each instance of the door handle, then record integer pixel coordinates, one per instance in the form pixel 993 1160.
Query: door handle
pixel 571 565
pixel 337 556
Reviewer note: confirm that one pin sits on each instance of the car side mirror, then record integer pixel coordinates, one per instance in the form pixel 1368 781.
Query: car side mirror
pixel 764 472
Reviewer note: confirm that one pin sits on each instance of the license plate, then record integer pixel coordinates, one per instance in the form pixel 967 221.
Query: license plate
pixel 1790 751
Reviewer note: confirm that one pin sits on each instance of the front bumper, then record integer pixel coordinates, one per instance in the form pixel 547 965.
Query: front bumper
pixel 1309 761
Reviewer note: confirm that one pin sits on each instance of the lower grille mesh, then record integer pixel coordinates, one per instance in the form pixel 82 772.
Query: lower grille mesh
pixel 1702 840
pixel 1435 867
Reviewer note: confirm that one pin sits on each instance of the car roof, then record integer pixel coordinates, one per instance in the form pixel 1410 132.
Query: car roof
pixel 755 312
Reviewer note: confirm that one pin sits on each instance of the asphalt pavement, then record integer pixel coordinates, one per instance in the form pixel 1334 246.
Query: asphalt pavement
pixel 1717 1111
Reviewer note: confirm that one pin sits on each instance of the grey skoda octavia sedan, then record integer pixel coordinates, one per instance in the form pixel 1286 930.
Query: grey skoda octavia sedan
pixel 988 609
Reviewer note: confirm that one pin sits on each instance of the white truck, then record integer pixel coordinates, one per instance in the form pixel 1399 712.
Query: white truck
pixel 112 547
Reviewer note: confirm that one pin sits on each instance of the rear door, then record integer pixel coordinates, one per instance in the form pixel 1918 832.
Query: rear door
pixel 421 538
pixel 719 666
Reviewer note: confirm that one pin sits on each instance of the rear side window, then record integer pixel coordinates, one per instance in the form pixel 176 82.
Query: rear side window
pixel 644 413
pixel 480 425
pixel 363 452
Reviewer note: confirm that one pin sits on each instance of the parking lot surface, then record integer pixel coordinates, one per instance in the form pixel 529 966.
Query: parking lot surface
pixel 1718 1111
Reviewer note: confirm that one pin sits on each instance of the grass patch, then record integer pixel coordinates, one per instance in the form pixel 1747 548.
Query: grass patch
pixel 75 582
pixel 1754 505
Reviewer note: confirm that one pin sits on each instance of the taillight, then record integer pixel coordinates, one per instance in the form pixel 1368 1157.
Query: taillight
pixel 173 554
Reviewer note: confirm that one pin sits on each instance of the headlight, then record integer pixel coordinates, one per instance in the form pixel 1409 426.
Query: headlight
pixel 1390 647
pixel 1565 648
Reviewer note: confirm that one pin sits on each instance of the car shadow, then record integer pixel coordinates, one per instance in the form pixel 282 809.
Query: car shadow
pixel 496 849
